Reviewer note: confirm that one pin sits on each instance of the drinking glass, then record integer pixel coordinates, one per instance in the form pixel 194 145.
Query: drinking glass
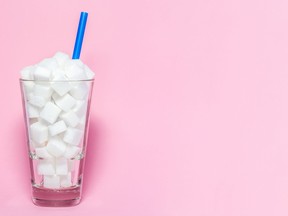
pixel 56 117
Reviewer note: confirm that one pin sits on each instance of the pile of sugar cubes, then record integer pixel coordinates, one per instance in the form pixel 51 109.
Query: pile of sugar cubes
pixel 57 115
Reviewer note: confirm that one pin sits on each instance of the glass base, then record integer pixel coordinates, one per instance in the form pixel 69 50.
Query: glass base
pixel 56 198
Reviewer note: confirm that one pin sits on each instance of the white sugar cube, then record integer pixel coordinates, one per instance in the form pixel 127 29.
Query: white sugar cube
pixel 39 132
pixel 78 62
pixel 71 151
pixel 61 166
pixel 28 87
pixel 56 147
pixel 70 118
pixel 27 73
pixel 65 102
pixel 32 111
pixel 42 152
pixel 35 100
pixel 42 90
pixel 75 72
pixel 61 88
pixel 57 128
pixel 42 73
pixel 50 112
pixel 51 181
pixel 61 58
pixel 58 74
pixel 73 136
pixel 79 91
pixel 89 73
pixel 80 108
pixel 46 167
pixel 49 63
pixel 66 180
pixel 69 64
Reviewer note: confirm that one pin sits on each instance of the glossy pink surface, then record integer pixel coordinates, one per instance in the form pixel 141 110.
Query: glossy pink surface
pixel 190 106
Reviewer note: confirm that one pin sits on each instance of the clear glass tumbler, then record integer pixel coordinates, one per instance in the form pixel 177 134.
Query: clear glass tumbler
pixel 57 119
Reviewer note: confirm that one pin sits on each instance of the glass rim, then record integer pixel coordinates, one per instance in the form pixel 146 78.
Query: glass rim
pixel 49 81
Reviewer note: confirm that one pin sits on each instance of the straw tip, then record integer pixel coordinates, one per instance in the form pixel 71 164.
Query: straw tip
pixel 80 35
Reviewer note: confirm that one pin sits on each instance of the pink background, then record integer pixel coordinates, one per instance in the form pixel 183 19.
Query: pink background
pixel 190 106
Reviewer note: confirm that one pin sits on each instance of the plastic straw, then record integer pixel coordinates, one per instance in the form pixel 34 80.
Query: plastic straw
pixel 80 35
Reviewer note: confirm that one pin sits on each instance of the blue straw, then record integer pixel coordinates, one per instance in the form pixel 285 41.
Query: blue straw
pixel 80 35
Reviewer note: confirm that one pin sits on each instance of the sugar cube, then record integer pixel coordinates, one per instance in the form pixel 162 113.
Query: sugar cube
pixel 57 128
pixel 42 90
pixel 70 118
pixel 27 73
pixel 51 181
pixel 39 132
pixel 49 63
pixel 80 108
pixel 46 167
pixel 28 87
pixel 89 73
pixel 56 147
pixel 73 136
pixel 32 111
pixel 71 151
pixel 37 101
pixel 65 102
pixel 61 88
pixel 66 180
pixel 61 58
pixel 50 112
pixel 79 91
pixel 61 166
pixel 42 152
pixel 58 74
pixel 78 62
pixel 75 72
pixel 42 73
